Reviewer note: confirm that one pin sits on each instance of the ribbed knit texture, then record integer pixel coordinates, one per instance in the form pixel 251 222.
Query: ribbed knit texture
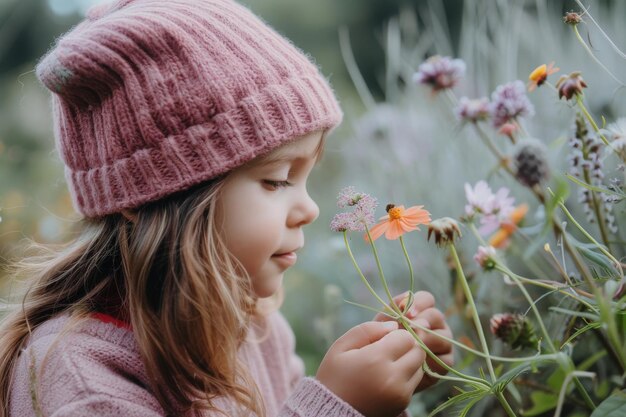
pixel 96 370
pixel 153 96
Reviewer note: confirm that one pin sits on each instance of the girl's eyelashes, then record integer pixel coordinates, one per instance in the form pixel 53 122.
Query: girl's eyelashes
pixel 274 184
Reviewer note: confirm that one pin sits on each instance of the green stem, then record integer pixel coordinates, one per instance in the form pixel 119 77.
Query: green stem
pixel 505 404
pixel 356 266
pixel 412 288
pixel 608 254
pixel 407 325
pixel 589 117
pixel 546 335
pixel 596 209
pixel 502 161
pixel 381 274
pixel 472 305
pixel 581 40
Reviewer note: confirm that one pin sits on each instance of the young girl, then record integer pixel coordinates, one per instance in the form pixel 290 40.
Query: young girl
pixel 188 129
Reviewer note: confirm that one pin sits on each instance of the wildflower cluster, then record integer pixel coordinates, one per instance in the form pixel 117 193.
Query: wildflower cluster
pixel 582 284
pixel 361 215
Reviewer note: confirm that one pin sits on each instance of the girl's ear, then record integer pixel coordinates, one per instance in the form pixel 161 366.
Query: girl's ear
pixel 129 215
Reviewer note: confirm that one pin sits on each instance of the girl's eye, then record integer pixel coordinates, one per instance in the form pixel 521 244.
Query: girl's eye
pixel 277 184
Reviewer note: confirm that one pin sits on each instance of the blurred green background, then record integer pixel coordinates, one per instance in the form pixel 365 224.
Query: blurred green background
pixel 398 145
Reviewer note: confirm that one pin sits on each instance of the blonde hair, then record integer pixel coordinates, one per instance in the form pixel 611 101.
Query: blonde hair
pixel 170 274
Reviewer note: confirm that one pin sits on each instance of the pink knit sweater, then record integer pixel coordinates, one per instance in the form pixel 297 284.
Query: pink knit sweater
pixel 96 370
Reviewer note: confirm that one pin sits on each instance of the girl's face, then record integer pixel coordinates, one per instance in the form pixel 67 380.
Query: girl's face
pixel 264 206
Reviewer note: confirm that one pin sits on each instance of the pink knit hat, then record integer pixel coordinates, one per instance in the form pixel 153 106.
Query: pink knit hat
pixel 154 96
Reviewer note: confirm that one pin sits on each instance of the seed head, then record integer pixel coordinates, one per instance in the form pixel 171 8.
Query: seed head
pixel 572 18
pixel 513 329
pixel 445 230
pixel 530 163
pixel 570 85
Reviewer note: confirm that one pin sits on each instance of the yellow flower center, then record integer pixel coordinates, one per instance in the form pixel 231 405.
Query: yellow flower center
pixel 395 213
pixel 539 73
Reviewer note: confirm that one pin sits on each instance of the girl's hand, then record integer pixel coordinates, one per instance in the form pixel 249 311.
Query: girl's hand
pixel 424 313
pixel 375 367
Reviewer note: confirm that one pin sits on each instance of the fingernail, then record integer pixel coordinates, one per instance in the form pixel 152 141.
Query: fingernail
pixel 390 325
pixel 413 312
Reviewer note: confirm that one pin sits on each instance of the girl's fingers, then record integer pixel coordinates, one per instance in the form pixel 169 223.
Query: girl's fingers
pixel 436 344
pixel 448 359
pixel 422 300
pixel 411 362
pixel 434 316
pixel 395 344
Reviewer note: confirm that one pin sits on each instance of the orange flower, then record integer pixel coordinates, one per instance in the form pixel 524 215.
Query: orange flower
pixel 399 221
pixel 501 238
pixel 540 75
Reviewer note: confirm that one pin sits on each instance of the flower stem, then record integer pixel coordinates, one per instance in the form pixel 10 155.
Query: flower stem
pixel 505 405
pixel 356 266
pixel 546 335
pixel 412 288
pixel 589 117
pixel 407 325
pixel 582 42
pixel 472 305
pixel 381 274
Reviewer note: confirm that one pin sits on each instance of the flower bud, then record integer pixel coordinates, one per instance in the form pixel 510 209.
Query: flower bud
pixel 570 85
pixel 514 330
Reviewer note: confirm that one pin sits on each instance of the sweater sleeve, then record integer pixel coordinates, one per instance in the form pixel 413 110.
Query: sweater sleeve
pixel 105 406
pixel 309 397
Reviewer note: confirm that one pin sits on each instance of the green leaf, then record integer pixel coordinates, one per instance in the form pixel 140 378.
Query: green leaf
pixel 594 325
pixel 614 406
pixel 541 402
pixel 590 316
pixel 469 398
pixel 595 188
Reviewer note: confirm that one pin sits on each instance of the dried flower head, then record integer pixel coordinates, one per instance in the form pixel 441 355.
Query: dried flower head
pixel 473 110
pixel 570 85
pixel 445 230
pixel 485 257
pixel 514 329
pixel 508 102
pixel 439 72
pixel 540 75
pixel 531 163
pixel 572 18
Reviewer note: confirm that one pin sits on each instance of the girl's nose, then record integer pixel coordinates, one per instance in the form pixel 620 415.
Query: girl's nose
pixel 306 211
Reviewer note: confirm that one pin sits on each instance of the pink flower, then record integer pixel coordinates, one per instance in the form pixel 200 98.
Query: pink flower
pixel 508 102
pixel 440 73
pixel 485 257
pixel 491 208
pixel 478 198
pixel 473 110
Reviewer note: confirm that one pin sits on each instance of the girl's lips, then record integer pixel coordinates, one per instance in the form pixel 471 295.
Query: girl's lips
pixel 287 259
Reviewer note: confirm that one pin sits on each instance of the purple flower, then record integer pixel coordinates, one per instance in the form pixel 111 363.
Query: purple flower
pixel 508 102
pixel 474 110
pixel 439 72
pixel 361 215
